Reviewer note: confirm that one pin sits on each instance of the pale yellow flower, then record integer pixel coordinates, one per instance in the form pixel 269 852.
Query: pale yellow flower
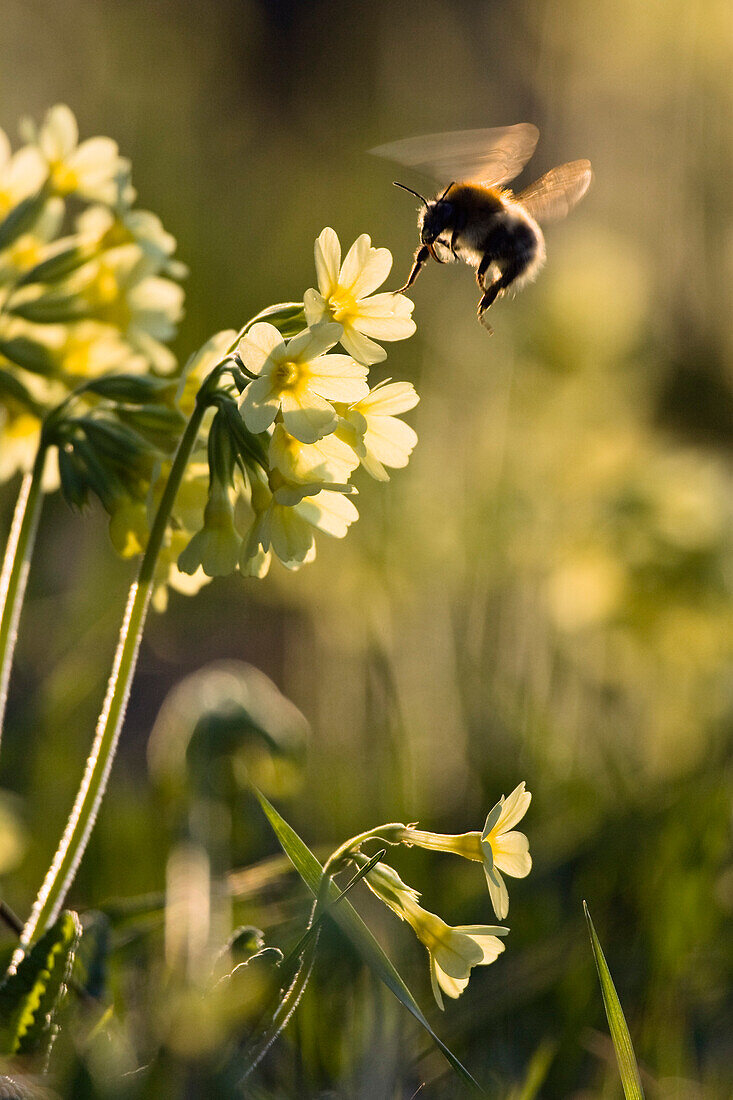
pixel 298 380
pixel 119 290
pixel 104 228
pixel 215 548
pixel 505 849
pixel 286 519
pixel 327 460
pixel 346 294
pixel 168 575
pixel 30 248
pixel 21 174
pixel 370 426
pixel 200 365
pixel 453 952
pixel 94 169
pixel 497 847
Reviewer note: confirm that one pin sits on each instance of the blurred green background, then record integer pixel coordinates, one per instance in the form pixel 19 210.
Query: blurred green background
pixel 545 593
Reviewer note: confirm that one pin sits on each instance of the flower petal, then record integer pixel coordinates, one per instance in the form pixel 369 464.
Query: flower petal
pixel 306 416
pixel 338 378
pixel 256 347
pixel 313 342
pixel 513 808
pixel 365 268
pixel 314 305
pixel 361 348
pixel 328 260
pixel 390 440
pixel 511 854
pixel 498 894
pixel 389 399
pixel 258 405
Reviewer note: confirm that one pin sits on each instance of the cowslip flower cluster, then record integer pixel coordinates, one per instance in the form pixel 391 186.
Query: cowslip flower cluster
pixel 87 283
pixel 305 419
pixel 454 951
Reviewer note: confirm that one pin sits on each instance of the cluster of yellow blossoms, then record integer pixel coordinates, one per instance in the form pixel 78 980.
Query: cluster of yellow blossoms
pixel 87 283
pixel 454 951
pixel 88 302
pixel 313 415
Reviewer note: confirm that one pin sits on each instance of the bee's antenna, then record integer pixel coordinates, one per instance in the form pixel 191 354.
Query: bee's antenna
pixel 446 190
pixel 415 193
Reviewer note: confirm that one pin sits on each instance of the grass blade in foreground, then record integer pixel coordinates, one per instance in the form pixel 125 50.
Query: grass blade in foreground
pixel 354 927
pixel 625 1057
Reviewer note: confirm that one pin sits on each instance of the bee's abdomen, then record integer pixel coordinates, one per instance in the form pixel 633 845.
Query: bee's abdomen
pixel 515 242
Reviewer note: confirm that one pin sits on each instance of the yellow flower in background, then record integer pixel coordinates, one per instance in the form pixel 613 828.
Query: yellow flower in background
pixel 371 428
pixel 200 365
pixel 104 228
pixel 30 248
pixel 21 173
pixel 503 848
pixel 298 380
pixel 94 169
pixel 346 295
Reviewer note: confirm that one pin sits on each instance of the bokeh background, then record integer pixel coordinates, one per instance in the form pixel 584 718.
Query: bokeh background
pixel 545 593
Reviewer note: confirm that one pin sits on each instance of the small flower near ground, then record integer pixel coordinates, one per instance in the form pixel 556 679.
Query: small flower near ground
pixel 505 849
pixel 453 952
pixel 371 428
pixel 298 380
pixel 346 294
pixel 497 847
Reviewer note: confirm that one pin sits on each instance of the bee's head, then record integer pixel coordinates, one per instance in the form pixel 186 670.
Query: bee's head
pixel 435 216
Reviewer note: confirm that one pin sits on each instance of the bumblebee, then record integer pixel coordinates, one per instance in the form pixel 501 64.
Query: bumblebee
pixel 475 219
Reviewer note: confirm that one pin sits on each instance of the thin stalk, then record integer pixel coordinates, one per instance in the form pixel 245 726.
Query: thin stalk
pixel 83 815
pixel 16 567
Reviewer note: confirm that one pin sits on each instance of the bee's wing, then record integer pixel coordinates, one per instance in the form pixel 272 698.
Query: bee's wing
pixel 491 156
pixel 553 195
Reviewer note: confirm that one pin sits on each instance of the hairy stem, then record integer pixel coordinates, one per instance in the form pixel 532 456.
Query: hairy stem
pixel 83 815
pixel 16 567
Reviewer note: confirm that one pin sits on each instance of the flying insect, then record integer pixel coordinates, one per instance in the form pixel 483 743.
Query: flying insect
pixel 476 219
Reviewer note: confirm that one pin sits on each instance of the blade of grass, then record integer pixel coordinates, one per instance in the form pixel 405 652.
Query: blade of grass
pixel 354 927
pixel 625 1057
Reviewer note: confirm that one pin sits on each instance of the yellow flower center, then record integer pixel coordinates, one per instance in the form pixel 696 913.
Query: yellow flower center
pixel 286 375
pixel 25 252
pixel 105 296
pixel 64 180
pixel 342 307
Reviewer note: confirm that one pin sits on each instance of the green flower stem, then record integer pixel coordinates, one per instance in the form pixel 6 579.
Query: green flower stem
pixel 16 567
pixel 81 821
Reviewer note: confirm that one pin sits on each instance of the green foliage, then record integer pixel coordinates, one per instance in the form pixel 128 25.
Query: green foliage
pixel 622 1044
pixel 32 994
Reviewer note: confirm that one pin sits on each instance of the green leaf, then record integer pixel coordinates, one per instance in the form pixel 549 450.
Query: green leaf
pixel 29 354
pixel 625 1057
pixel 31 995
pixel 21 218
pixel 354 927
pixel 131 389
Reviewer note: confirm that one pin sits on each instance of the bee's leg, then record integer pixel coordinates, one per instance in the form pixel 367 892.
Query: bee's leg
pixel 486 262
pixel 488 297
pixel 421 258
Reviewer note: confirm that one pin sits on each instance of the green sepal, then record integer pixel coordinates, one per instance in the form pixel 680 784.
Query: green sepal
pixel 11 386
pixel 30 996
pixel 287 317
pixel 29 354
pixel 132 389
pixel 21 218
pixel 62 263
pixel 74 483
pixel 222 453
pixel 159 425
pixel 250 447
pixel 121 444
pixel 53 308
